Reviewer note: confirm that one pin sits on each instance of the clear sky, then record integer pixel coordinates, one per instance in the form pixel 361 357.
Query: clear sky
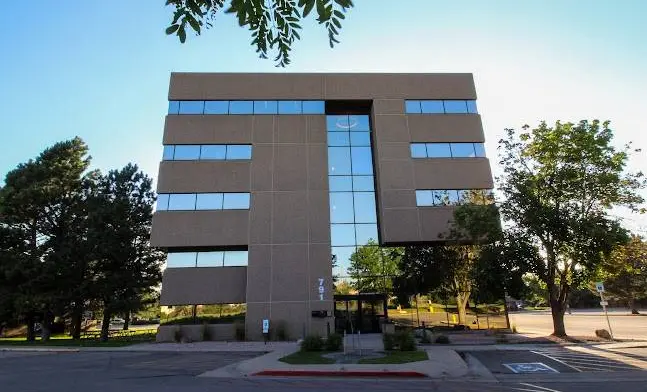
pixel 100 69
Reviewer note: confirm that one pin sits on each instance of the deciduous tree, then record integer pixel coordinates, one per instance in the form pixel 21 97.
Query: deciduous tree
pixel 559 183
pixel 625 272
pixel 274 24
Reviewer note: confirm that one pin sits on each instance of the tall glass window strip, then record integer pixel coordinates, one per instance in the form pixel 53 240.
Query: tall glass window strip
pixel 202 201
pixel 440 106
pixel 246 107
pixel 450 197
pixel 207 152
pixel 227 258
pixel 353 211
pixel 447 150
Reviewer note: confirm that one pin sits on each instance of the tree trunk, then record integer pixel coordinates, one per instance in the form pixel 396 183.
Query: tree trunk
pixel 46 326
pixel 105 325
pixel 77 318
pixel 557 309
pixel 31 335
pixel 461 307
pixel 632 306
pixel 126 321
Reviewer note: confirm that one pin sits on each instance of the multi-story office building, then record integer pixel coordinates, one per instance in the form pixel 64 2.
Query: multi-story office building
pixel 270 183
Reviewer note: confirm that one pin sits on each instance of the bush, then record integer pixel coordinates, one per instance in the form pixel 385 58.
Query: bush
pixel 389 341
pixel 206 333
pixel 240 331
pixel 441 339
pixel 405 341
pixel 189 320
pixel 177 334
pixel 312 343
pixel 425 337
pixel 334 342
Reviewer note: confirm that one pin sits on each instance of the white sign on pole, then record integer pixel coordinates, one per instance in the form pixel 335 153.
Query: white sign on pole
pixel 266 326
pixel 604 303
pixel 599 286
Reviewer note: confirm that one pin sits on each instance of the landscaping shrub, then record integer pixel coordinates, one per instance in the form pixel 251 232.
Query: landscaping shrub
pixel 441 339
pixel 205 319
pixel 334 342
pixel 206 333
pixel 240 330
pixel 425 337
pixel 177 334
pixel 312 343
pixel 389 341
pixel 405 341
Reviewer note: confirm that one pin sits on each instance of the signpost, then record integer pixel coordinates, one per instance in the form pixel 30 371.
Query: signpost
pixel 599 286
pixel 266 329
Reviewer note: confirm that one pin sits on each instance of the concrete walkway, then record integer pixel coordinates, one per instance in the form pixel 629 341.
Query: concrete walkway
pixel 443 362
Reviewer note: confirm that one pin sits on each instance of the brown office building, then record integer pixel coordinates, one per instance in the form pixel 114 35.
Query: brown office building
pixel 270 183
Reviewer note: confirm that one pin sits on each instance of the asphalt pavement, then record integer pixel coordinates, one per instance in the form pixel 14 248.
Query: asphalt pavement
pixel 170 371
pixel 583 323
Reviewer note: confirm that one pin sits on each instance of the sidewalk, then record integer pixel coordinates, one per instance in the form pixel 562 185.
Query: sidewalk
pixel 443 362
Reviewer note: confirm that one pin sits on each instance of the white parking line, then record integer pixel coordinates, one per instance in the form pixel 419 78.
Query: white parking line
pixel 582 359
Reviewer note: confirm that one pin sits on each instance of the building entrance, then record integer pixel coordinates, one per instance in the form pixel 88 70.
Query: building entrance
pixel 362 312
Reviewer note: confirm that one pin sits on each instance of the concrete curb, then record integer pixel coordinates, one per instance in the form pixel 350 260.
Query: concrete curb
pixel 340 373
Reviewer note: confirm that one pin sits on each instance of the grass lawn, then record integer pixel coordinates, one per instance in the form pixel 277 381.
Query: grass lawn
pixel 395 357
pixel 307 358
pixel 67 341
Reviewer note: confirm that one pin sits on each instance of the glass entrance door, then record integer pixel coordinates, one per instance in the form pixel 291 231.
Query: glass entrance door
pixel 363 312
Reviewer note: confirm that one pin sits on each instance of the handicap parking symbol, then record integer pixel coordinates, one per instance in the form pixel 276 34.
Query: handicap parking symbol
pixel 531 367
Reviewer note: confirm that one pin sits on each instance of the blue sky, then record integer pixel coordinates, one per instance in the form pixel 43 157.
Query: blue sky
pixel 100 69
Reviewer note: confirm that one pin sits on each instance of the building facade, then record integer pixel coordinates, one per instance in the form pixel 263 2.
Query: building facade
pixel 270 183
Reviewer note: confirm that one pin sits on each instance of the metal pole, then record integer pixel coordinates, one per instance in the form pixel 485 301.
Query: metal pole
pixel 606 314
pixel 417 311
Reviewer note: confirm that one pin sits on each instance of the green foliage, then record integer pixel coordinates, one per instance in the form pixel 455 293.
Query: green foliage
pixel 312 343
pixel 442 339
pixel 400 340
pixel 559 184
pixel 389 341
pixel 274 24
pixel 334 342
pixel 425 339
pixel 405 341
pixel 307 358
pixel 372 268
pixel 189 320
pixel 625 272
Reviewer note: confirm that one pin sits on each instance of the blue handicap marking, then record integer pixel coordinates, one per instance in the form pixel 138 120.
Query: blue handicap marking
pixel 531 367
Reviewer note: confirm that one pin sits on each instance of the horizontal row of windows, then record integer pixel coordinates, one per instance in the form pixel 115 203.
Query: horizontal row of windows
pixel 448 197
pixel 448 106
pixel 202 201
pixel 447 150
pixel 207 152
pixel 228 258
pixel 246 107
